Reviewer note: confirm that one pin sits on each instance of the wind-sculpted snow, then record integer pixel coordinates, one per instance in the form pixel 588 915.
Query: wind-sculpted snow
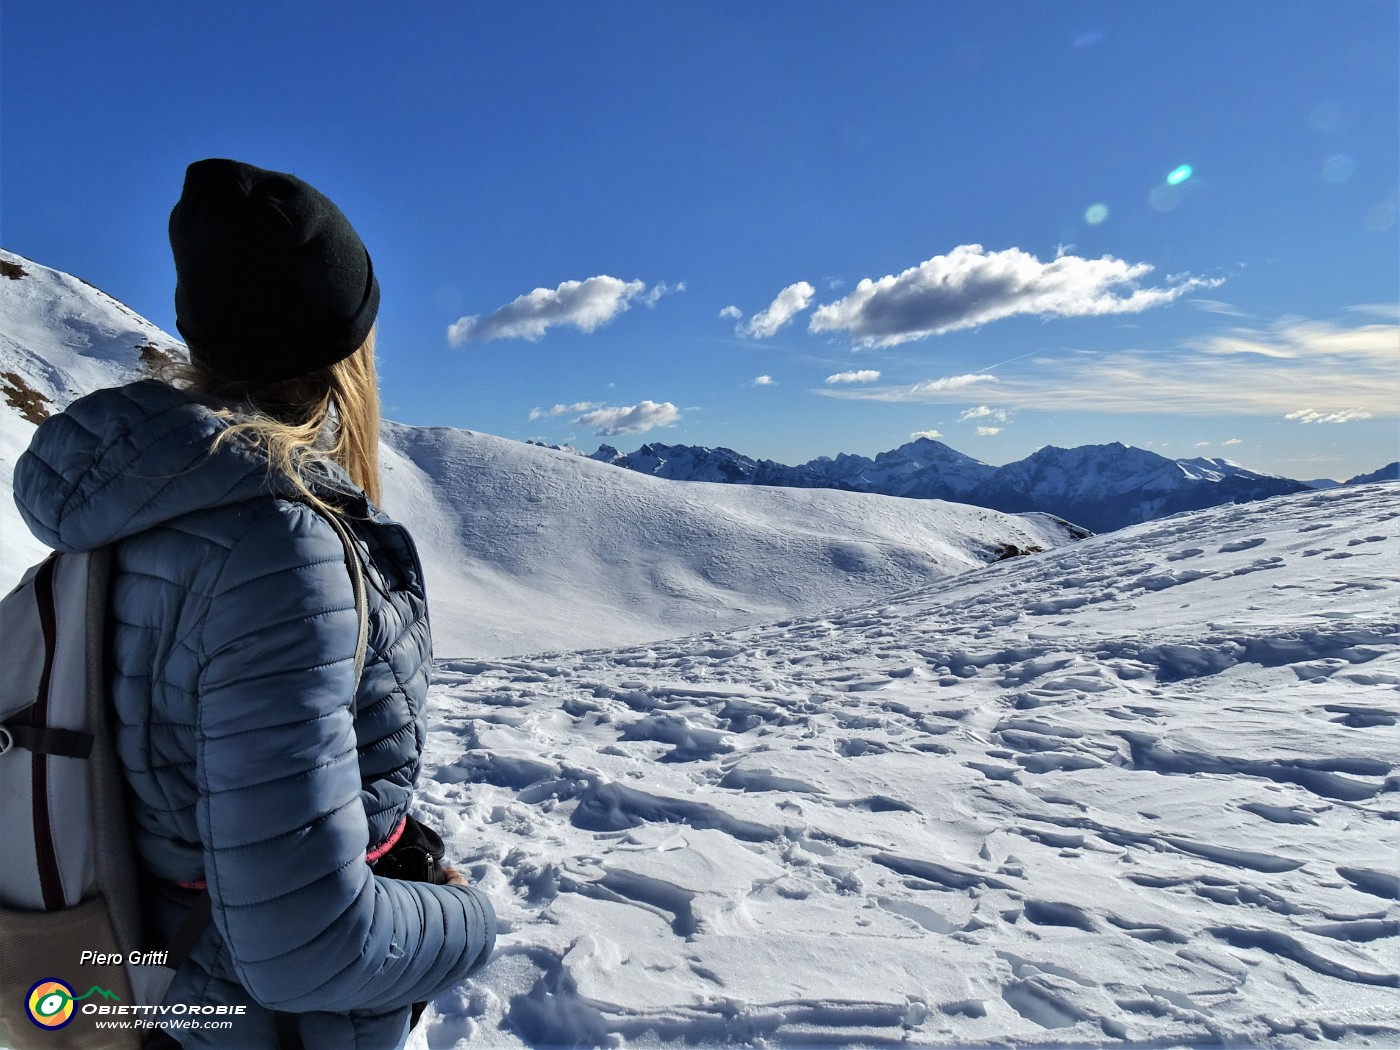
pixel 1138 791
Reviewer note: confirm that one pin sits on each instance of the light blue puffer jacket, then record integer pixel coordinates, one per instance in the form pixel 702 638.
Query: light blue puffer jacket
pixel 234 644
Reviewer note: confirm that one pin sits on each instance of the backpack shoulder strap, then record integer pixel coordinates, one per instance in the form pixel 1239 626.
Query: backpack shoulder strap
pixel 357 581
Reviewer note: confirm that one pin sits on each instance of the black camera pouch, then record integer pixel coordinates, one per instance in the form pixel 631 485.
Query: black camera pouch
pixel 415 857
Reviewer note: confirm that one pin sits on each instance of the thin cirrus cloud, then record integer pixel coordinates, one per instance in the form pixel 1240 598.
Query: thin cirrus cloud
pixel 1215 306
pixel 947 383
pixel 1295 366
pixel 790 302
pixel 630 419
pixel 948 388
pixel 1294 339
pixel 971 286
pixel 585 305
pixel 863 375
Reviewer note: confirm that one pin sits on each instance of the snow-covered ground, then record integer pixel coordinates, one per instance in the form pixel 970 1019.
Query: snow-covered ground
pixel 1136 791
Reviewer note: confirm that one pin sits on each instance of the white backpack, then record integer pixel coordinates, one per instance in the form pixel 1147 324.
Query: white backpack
pixel 69 878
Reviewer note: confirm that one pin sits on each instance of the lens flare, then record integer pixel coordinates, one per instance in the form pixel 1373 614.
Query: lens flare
pixel 1179 175
pixel 1339 168
pixel 1096 214
pixel 1164 197
pixel 1328 117
pixel 1381 217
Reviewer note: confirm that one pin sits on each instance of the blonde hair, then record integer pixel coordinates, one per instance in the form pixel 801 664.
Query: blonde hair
pixel 329 415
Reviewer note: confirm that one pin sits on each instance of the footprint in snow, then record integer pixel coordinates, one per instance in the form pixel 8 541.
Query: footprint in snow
pixel 1242 545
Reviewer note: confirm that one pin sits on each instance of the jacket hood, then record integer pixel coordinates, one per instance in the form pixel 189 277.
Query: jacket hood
pixel 126 459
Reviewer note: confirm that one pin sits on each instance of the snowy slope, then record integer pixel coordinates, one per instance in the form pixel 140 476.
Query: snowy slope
pixel 1214 468
pixel 1138 791
pixel 525 548
pixel 59 339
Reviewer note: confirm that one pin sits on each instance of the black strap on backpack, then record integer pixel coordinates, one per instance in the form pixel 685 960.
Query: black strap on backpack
pixel 195 922
pixel 288 1031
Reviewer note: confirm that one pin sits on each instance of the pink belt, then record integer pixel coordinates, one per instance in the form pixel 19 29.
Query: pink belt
pixel 370 857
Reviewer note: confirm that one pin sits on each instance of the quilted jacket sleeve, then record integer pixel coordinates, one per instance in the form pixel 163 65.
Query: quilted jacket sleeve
pixel 280 814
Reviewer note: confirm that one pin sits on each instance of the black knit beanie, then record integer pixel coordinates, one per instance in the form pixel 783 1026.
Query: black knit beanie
pixel 272 282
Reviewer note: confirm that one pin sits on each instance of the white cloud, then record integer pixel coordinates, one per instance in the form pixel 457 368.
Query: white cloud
pixel 1308 415
pixel 661 288
pixel 971 286
pixel 764 381
pixel 988 431
pixel 983 412
pixel 1232 441
pixel 1203 444
pixel 561 410
pixel 731 313
pixel 632 419
pixel 586 305
pixel 791 301
pixel 1260 373
pixel 930 434
pixel 864 375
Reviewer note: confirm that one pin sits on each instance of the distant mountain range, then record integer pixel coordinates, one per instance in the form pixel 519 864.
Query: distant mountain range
pixel 1389 472
pixel 1102 487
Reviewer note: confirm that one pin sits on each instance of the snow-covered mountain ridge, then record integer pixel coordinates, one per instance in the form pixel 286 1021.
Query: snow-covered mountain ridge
pixel 525 548
pixel 1103 487
pixel 59 339
pixel 1389 472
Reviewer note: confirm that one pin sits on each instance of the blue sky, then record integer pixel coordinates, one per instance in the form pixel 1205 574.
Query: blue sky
pixel 617 217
